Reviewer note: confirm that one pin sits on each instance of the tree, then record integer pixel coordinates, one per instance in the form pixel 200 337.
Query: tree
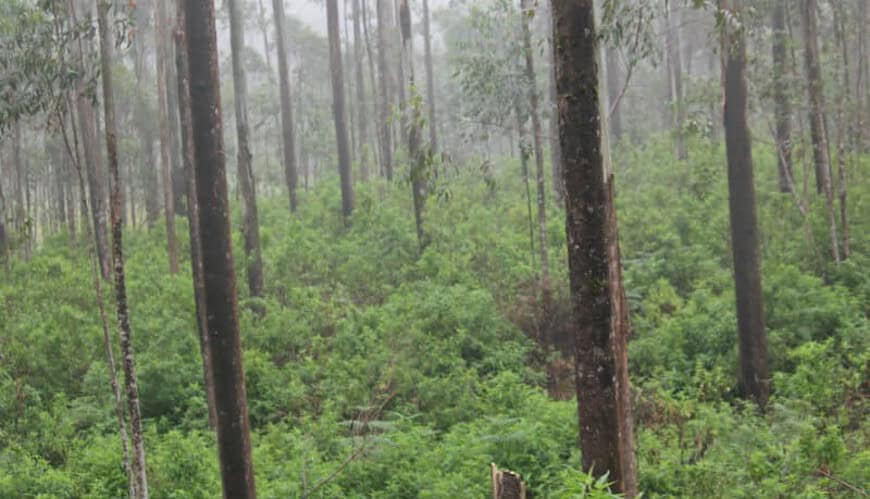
pixel 598 299
pixel 225 350
pixel 675 76
pixel 754 376
pixel 818 130
pixel 160 39
pixel 781 101
pixel 247 186
pixel 360 91
pixel 186 128
pixel 430 79
pixel 385 19
pixel 111 130
pixel 528 12
pixel 288 134
pixel 338 108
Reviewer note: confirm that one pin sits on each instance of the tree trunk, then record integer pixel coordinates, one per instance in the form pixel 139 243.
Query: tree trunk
pixel 818 132
pixel 537 139
pixel 782 105
pixel 287 132
pixel 411 118
pixel 160 41
pixel 613 88
pixel 385 19
pixel 338 108
pixel 193 208
pixel 600 315
pixel 555 147
pixel 360 93
pixel 138 462
pixel 247 186
pixel 506 484
pixel 844 127
pixel 524 166
pixel 225 349
pixel 430 80
pixel 675 77
pixel 754 379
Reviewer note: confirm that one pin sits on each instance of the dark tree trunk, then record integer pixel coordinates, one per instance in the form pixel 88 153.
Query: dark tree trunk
pixel 818 131
pixel 781 101
pixel 430 79
pixel 538 141
pixel 754 379
pixel 385 19
pixel 287 132
pixel 186 126
pixel 138 465
pixel 225 349
pixel 161 42
pixel 600 315
pixel 247 186
pixel 506 484
pixel 338 108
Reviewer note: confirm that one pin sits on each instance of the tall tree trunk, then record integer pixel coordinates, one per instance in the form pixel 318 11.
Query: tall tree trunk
pixel 430 79
pixel 288 134
pixel 360 93
pixel 600 314
pixel 782 104
pixel 613 88
pixel 818 132
pixel 20 219
pixel 755 378
pixel 175 152
pixel 160 41
pixel 338 108
pixel 538 139
pixel 555 146
pixel 524 165
pixel 675 77
pixel 412 118
pixel 225 349
pixel 385 19
pixel 132 389
pixel 187 147
pixel 247 186
pixel 347 67
pixel 844 127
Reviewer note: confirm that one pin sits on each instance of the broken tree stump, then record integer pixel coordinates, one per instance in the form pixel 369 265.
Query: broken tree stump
pixel 506 484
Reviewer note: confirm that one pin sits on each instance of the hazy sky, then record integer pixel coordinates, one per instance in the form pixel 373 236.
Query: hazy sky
pixel 313 12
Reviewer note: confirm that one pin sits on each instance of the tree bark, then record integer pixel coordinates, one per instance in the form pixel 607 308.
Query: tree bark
pixel 360 93
pixel 411 119
pixel 555 147
pixel 338 108
pixel 160 41
pixel 818 132
pixel 506 484
pixel 600 317
pixel 288 134
pixel 225 349
pixel 537 140
pixel 385 19
pixel 247 186
pixel 186 126
pixel 844 127
pixel 782 104
pixel 430 79
pixel 754 378
pixel 524 168
pixel 132 390
pixel 675 77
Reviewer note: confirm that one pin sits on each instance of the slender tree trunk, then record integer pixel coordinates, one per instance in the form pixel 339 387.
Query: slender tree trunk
pixel 372 80
pixel 247 186
pixel 160 41
pixel 430 79
pixel 524 165
pixel 555 146
pixel 675 77
pixel 385 19
pixel 538 139
pixel 613 87
pixel 20 219
pixel 844 128
pixel 818 132
pixel 338 108
pixel 132 389
pixel 360 93
pixel 175 153
pixel 225 349
pixel 288 134
pixel 781 100
pixel 347 67
pixel 411 118
pixel 600 314
pixel 755 378
pixel 186 126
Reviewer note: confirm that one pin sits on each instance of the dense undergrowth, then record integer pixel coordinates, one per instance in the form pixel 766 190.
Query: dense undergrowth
pixel 375 373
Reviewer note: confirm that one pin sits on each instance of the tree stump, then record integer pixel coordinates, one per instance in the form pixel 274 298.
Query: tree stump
pixel 506 484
